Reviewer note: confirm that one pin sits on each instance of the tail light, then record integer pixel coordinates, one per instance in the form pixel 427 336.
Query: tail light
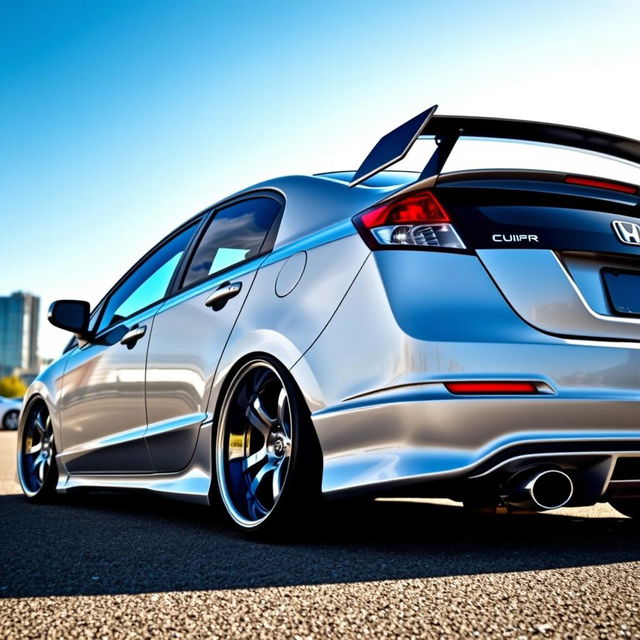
pixel 414 221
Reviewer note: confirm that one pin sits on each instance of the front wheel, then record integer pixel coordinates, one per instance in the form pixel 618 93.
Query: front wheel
pixel 268 462
pixel 37 468
pixel 627 506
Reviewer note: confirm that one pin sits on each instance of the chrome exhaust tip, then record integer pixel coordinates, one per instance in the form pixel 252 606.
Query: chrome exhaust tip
pixel 540 490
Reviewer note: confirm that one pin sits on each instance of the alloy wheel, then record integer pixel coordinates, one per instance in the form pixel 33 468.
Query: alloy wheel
pixel 254 443
pixel 37 451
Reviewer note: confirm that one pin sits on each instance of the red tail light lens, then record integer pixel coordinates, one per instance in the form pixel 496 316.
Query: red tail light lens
pixel 418 209
pixel 601 184
pixel 417 220
pixel 478 388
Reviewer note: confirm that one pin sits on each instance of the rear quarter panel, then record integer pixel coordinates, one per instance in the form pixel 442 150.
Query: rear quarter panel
pixel 285 326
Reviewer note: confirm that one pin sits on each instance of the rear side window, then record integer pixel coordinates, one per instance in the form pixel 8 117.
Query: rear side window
pixel 235 234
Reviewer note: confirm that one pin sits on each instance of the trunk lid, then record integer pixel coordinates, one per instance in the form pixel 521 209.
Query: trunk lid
pixel 548 246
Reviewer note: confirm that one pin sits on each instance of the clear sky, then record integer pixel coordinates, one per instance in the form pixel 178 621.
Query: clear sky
pixel 120 119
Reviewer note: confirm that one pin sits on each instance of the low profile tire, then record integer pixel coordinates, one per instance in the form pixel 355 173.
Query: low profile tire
pixel 627 507
pixel 37 469
pixel 268 462
pixel 10 420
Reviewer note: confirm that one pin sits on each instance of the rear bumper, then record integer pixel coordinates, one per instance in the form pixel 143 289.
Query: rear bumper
pixel 422 435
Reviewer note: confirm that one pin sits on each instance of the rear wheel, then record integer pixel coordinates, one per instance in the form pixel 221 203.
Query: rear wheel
pixel 37 468
pixel 267 456
pixel 10 420
pixel 628 507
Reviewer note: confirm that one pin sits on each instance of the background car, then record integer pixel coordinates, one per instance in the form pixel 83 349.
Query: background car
pixel 10 412
pixel 471 335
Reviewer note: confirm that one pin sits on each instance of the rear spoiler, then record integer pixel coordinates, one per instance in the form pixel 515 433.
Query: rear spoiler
pixel 447 130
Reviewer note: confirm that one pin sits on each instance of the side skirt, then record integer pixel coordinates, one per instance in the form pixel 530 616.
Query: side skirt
pixel 192 484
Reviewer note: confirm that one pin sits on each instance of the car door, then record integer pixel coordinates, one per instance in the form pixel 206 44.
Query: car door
pixel 102 407
pixel 192 327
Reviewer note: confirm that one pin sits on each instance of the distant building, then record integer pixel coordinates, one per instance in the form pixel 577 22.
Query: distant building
pixel 19 314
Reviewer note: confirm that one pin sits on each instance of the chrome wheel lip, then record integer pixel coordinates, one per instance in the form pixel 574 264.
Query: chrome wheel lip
pixel 45 451
pixel 270 450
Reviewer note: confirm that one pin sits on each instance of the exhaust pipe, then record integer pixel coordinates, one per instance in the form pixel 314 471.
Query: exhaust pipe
pixel 539 490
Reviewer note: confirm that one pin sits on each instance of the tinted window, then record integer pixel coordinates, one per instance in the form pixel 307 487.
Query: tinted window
pixel 236 233
pixel 149 282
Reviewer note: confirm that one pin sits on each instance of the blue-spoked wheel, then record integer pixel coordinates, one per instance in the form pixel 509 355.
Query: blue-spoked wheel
pixel 267 457
pixel 37 468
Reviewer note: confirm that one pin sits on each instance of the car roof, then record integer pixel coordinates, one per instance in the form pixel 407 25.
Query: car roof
pixel 316 202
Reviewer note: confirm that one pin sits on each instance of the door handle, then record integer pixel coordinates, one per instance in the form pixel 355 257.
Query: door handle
pixel 132 336
pixel 222 294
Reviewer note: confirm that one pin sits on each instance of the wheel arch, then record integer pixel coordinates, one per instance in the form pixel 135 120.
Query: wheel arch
pixel 47 388
pixel 227 377
pixel 33 400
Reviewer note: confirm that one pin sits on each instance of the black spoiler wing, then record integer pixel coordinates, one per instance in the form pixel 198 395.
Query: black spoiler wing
pixel 393 146
pixel 447 129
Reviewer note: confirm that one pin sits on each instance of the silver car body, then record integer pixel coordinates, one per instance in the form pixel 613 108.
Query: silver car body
pixel 370 338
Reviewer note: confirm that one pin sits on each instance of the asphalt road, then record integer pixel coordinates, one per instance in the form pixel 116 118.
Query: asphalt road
pixel 118 566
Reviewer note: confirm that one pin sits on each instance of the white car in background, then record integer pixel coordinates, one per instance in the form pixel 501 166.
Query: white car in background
pixel 10 412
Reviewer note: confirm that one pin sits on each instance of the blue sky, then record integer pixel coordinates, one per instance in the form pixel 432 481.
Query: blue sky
pixel 120 119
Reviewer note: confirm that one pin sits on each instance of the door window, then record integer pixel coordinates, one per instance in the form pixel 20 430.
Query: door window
pixel 236 233
pixel 149 281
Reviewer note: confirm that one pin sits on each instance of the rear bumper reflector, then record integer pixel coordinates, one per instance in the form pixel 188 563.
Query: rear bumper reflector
pixel 490 388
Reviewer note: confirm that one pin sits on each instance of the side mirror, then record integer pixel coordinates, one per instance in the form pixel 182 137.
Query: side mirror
pixel 70 315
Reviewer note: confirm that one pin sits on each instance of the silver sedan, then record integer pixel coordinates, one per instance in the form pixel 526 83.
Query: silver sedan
pixel 472 335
